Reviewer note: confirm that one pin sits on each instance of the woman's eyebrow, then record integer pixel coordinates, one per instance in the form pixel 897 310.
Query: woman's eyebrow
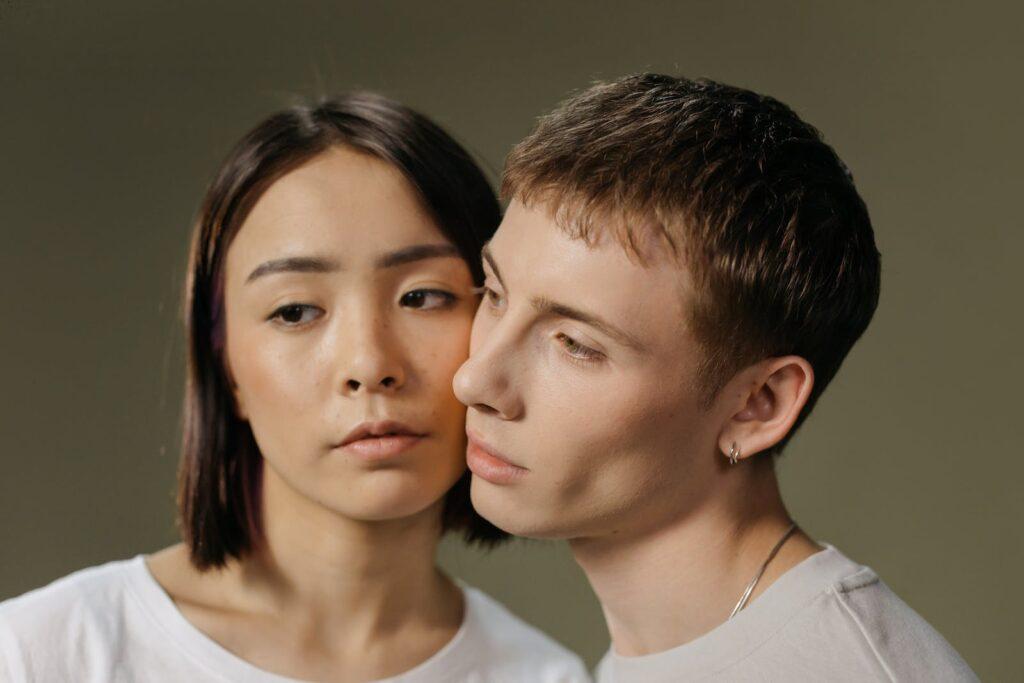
pixel 416 252
pixel 317 264
pixel 294 264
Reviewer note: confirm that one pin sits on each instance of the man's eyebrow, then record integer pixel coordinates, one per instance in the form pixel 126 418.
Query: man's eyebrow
pixel 489 258
pixel 294 264
pixel 417 252
pixel 545 306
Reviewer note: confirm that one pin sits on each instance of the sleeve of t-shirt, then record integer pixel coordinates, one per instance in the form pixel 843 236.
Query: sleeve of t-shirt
pixel 12 669
pixel 569 671
pixel 906 645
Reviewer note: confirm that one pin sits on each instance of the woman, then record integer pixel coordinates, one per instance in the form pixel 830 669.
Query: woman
pixel 329 303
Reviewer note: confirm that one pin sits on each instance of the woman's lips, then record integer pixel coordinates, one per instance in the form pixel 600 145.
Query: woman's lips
pixel 379 440
pixel 487 465
pixel 374 448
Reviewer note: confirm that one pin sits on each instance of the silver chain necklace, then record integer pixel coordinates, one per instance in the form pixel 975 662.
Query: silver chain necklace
pixel 750 586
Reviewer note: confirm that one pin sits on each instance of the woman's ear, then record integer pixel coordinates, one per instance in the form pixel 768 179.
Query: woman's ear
pixel 236 395
pixel 240 411
pixel 771 397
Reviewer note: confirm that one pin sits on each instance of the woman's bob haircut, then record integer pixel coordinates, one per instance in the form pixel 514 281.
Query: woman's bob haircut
pixel 219 478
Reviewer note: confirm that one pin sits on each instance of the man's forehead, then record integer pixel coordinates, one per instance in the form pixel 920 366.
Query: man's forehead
pixel 535 254
pixel 534 234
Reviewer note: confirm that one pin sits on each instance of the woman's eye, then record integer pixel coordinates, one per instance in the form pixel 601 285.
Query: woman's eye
pixel 427 299
pixel 576 350
pixel 295 314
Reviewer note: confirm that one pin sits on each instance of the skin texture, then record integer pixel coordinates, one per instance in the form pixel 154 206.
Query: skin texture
pixel 344 588
pixel 614 448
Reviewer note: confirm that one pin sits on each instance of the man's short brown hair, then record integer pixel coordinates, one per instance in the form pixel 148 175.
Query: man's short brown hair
pixel 745 193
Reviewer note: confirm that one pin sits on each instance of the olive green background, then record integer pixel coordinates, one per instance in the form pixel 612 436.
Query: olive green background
pixel 114 115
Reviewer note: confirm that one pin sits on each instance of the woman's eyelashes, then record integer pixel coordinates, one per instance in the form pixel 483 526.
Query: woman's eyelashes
pixel 295 315
pixel 428 299
pixel 298 314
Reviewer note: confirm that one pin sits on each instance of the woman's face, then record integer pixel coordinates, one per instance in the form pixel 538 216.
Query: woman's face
pixel 347 314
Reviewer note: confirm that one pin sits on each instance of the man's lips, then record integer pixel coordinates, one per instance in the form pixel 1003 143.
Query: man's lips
pixel 490 465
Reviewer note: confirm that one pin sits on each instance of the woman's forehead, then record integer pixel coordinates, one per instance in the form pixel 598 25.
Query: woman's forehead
pixel 341 204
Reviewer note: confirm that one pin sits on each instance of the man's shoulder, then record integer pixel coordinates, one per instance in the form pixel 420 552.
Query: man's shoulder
pixel 494 627
pixel 903 642
pixel 828 619
pixel 858 619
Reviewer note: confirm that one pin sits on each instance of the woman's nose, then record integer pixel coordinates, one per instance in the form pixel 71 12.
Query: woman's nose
pixel 366 382
pixel 370 361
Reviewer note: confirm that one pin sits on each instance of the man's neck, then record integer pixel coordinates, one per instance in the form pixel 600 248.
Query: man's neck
pixel 665 586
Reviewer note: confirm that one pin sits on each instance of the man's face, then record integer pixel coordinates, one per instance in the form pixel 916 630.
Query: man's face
pixel 584 412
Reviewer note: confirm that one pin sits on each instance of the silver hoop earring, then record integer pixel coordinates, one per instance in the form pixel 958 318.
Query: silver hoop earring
pixel 734 454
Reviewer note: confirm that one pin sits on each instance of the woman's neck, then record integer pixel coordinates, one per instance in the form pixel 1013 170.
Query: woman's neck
pixel 322 593
pixel 315 561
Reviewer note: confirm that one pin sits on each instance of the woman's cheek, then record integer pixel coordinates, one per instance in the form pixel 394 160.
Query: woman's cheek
pixel 440 350
pixel 274 377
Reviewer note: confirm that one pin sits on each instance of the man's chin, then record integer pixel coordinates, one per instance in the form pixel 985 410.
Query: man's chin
pixel 508 509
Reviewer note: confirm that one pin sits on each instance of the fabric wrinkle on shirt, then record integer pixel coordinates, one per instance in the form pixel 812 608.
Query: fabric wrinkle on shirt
pixel 115 624
pixel 826 619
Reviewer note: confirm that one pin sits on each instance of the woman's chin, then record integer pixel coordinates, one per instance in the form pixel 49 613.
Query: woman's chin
pixel 381 501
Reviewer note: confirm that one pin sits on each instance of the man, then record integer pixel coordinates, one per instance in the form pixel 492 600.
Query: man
pixel 682 269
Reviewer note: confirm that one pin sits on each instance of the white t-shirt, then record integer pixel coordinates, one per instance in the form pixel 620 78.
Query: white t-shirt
pixel 826 619
pixel 115 624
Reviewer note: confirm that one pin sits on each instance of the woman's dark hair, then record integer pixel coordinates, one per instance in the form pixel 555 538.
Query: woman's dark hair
pixel 219 478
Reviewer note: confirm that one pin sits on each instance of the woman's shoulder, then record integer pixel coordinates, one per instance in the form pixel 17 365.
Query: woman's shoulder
pixel 89 590
pixel 72 614
pixel 522 648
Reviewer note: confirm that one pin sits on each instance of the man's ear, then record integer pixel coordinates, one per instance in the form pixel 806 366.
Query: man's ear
pixel 770 396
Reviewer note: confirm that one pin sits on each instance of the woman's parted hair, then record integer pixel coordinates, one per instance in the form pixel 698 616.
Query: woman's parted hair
pixel 744 192
pixel 219 477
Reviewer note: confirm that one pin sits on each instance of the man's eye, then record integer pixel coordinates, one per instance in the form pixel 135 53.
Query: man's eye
pixel 296 314
pixel 576 350
pixel 427 299
pixel 493 299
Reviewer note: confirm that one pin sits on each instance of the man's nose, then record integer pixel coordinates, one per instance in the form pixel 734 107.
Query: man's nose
pixel 484 382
